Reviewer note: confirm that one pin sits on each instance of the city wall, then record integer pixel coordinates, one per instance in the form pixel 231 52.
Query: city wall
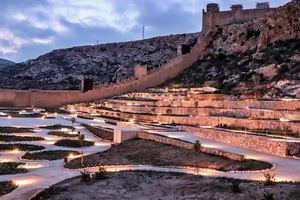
pixel 55 98
pixel 214 17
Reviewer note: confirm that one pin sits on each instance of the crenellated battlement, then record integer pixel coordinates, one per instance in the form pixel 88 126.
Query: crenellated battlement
pixel 214 17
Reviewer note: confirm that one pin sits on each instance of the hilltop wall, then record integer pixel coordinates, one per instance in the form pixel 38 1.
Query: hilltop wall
pixel 214 17
pixel 55 98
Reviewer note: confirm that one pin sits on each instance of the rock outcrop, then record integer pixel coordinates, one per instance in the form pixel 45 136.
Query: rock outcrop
pixel 259 57
pixel 104 63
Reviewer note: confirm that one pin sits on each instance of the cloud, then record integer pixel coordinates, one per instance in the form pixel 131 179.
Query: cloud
pixel 30 28
pixel 9 42
pixel 101 13
pixel 44 41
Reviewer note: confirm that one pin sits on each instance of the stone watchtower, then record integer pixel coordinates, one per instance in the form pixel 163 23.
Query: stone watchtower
pixel 140 71
pixel 214 17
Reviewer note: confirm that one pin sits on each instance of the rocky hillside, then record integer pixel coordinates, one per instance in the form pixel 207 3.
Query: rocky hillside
pixel 105 63
pixel 4 62
pixel 260 57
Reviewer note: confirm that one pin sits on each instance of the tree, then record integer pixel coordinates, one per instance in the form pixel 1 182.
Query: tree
pixel 197 146
pixel 81 139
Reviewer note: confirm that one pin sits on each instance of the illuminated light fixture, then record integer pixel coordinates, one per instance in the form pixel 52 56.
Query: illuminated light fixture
pixel 15 151
pixel 284 120
pixel 24 182
pixel 30 166
pixel 64 130
pixel 9 117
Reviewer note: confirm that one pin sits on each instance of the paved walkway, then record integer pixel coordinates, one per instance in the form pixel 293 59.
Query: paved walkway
pixel 287 169
pixel 46 173
pixel 43 174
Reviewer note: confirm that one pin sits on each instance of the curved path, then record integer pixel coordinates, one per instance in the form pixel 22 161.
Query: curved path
pixel 42 174
pixel 286 169
pixel 46 173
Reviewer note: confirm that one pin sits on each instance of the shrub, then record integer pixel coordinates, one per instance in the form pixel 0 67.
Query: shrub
pixel 101 174
pixel 268 196
pixel 85 176
pixel 62 134
pixel 48 155
pixel 269 179
pixel 197 146
pixel 74 143
pixel 235 187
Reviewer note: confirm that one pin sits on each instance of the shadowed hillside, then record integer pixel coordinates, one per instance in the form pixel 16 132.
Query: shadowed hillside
pixel 105 63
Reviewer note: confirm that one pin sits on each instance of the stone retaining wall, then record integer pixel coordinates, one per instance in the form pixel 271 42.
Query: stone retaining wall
pixel 183 144
pixel 249 113
pixel 263 144
pixel 198 120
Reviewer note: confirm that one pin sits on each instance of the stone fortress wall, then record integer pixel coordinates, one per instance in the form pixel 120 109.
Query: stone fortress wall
pixel 214 17
pixel 142 81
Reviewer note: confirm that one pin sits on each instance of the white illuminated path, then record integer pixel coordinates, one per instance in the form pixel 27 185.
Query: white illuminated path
pixel 286 169
pixel 42 174
pixel 46 173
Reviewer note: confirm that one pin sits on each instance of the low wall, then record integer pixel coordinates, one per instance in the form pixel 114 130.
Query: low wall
pixel 258 143
pixel 197 120
pixel 187 145
pixel 249 113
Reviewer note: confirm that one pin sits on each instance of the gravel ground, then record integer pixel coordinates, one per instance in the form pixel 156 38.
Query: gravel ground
pixel 146 152
pixel 168 186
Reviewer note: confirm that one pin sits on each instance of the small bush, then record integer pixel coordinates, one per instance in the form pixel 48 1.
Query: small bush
pixel 85 176
pixel 235 187
pixel 74 143
pixel 269 179
pixel 101 174
pixel 197 146
pixel 268 196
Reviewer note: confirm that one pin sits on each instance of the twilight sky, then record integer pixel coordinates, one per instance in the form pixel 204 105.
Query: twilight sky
pixel 29 28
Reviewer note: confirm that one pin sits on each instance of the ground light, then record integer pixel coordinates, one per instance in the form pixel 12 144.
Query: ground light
pixel 24 182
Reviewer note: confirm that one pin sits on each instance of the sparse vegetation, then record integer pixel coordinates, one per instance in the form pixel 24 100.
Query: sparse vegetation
pixel 11 168
pixel 197 146
pixel 235 186
pixel 62 134
pixel 269 179
pixel 56 127
pixel 12 138
pixel 7 187
pixel 101 174
pixel 74 143
pixel 48 155
pixel 85 176
pixel 268 196
pixel 20 147
pixel 9 130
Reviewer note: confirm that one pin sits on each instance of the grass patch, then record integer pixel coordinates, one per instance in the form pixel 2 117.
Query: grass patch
pixel 12 138
pixel 48 155
pixel 8 130
pixel 62 134
pixel 20 147
pixel 74 143
pixel 11 168
pixel 56 127
pixel 7 187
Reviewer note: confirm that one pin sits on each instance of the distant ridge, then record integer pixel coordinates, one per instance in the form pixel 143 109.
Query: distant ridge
pixel 4 62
